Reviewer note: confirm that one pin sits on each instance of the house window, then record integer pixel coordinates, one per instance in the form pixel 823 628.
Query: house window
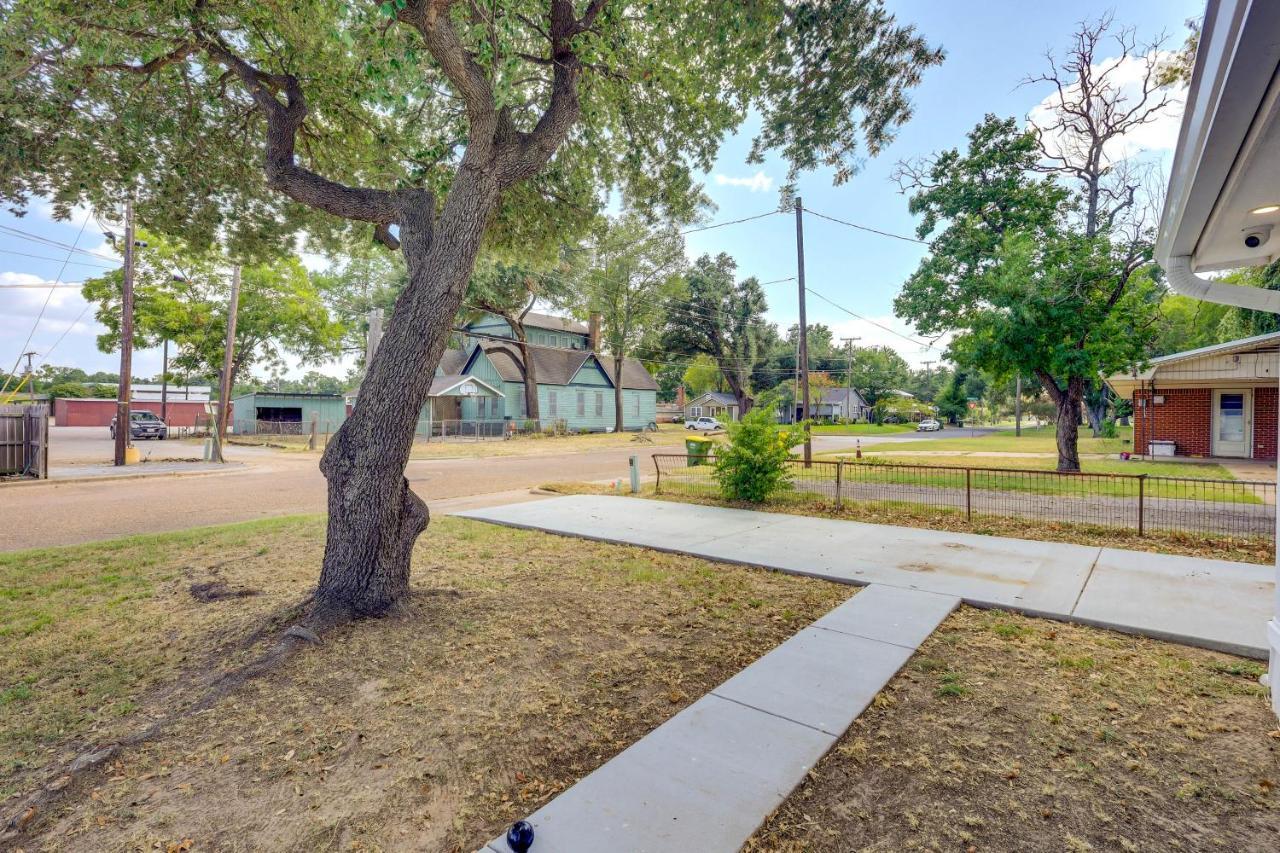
pixel 482 405
pixel 551 403
pixel 636 407
pixel 695 411
pixel 599 404
pixel 582 404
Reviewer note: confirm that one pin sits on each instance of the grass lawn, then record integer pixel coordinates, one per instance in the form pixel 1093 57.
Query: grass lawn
pixel 861 429
pixel 512 671
pixel 1067 486
pixel 1010 733
pixel 1033 440
pixel 1241 549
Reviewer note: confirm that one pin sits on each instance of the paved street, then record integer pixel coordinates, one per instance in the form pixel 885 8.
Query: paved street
pixel 270 483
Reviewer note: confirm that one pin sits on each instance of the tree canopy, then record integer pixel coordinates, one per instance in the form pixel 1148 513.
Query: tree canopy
pixel 723 319
pixel 173 100
pixel 181 295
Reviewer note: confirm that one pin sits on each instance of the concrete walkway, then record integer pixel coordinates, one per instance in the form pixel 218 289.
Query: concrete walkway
pixel 1210 603
pixel 707 778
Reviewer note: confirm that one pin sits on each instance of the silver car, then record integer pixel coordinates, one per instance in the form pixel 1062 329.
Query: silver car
pixel 704 424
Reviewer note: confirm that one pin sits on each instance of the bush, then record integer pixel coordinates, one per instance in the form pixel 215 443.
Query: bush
pixel 1109 429
pixel 754 465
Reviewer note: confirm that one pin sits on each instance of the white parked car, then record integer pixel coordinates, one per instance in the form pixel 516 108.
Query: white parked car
pixel 704 424
pixel 929 425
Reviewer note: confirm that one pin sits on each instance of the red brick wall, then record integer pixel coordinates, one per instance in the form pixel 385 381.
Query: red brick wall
pixel 1186 418
pixel 1264 422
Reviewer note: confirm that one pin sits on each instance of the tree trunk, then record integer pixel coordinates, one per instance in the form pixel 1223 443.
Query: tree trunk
pixel 738 389
pixel 618 423
pixel 530 375
pixel 1068 432
pixel 374 517
pixel 1067 412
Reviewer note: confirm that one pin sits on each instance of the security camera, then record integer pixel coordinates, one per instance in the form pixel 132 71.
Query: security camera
pixel 1257 235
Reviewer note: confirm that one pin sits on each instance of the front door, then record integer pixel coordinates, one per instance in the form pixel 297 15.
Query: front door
pixel 1232 423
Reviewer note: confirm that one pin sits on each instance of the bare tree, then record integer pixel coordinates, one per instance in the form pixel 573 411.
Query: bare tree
pixel 1092 110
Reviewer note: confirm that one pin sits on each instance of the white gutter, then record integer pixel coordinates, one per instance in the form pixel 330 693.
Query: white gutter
pixel 1186 282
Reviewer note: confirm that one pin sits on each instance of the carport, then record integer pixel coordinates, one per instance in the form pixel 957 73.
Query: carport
pixel 280 413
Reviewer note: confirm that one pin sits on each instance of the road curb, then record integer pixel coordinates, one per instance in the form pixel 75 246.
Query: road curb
pixel 106 478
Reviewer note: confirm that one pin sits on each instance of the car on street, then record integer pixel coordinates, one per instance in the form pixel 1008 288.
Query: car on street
pixel 929 425
pixel 704 424
pixel 144 424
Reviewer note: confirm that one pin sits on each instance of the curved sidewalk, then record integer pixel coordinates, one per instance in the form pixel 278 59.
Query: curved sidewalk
pixel 1210 603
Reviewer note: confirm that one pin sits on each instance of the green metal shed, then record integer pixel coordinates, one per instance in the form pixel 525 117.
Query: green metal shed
pixel 272 413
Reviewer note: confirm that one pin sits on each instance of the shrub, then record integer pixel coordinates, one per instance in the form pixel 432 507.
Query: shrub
pixel 754 465
pixel 1108 429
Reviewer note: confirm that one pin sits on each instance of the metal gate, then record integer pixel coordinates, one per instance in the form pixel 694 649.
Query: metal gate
pixel 24 441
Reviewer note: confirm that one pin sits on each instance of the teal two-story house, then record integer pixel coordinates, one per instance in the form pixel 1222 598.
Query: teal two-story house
pixel 480 387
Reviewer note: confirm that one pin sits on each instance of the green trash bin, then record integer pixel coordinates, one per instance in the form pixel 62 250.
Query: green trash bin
pixel 698 449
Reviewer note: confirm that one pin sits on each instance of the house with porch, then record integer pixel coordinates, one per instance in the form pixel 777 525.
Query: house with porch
pixel 481 386
pixel 1217 401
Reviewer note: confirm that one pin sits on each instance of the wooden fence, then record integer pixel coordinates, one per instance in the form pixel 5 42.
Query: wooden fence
pixel 24 441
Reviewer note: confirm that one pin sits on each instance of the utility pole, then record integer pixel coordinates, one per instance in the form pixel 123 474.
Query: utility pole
pixel 31 375
pixel 1017 406
pixel 224 379
pixel 848 342
pixel 926 367
pixel 164 384
pixel 125 390
pixel 804 334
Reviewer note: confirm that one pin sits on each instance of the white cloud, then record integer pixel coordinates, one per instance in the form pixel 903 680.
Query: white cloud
pixel 1159 135
pixel 757 183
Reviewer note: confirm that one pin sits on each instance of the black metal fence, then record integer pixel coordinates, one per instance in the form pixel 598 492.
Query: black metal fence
pixel 1135 502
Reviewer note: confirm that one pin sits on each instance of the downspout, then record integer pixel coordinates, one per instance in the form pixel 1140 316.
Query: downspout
pixel 1183 280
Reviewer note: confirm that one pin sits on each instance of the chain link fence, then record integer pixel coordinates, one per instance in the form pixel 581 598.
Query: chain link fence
pixel 1133 502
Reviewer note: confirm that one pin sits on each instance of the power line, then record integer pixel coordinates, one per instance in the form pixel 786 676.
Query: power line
pixel 56 244
pixel 38 286
pixel 47 299
pixel 48 258
pixel 686 232
pixel 872 322
pixel 866 228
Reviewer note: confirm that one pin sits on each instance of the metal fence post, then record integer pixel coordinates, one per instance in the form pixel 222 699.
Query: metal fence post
pixel 968 494
pixel 1142 494
pixel 839 479
pixel 657 467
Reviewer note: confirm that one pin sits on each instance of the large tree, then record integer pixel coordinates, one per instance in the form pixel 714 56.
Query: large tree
pixel 1039 235
pixel 876 370
pixel 181 295
pixel 437 127
pixel 723 319
pixel 632 281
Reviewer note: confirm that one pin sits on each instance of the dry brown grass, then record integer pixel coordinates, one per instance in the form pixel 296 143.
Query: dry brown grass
pixel 1011 733
pixel 1239 549
pixel 521 662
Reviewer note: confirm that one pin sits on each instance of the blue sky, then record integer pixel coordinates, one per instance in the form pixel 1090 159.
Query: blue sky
pixel 990 46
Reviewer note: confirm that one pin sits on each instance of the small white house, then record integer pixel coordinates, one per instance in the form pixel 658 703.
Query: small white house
pixel 713 404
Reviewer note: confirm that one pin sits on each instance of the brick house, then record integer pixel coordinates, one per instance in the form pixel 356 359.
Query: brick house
pixel 1216 401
